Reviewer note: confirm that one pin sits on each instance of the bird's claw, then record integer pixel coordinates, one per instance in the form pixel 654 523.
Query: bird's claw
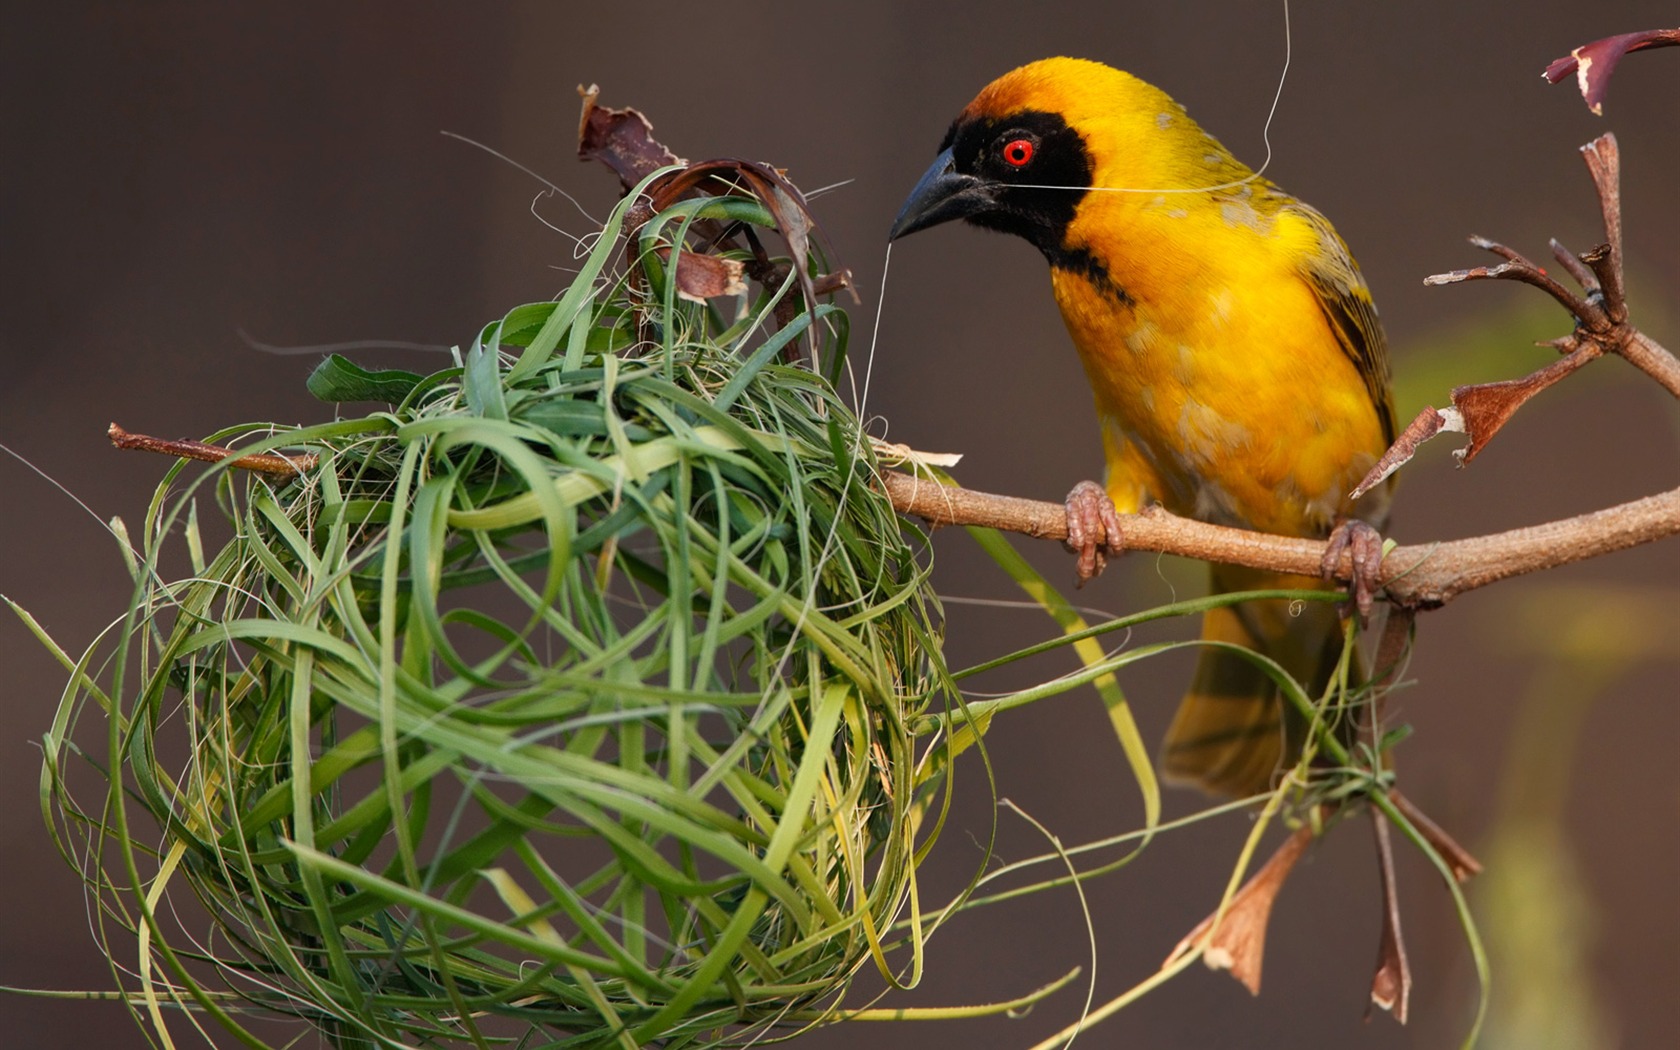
pixel 1366 545
pixel 1093 527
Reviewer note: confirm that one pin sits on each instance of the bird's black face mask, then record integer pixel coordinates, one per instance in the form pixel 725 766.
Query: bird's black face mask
pixel 1024 174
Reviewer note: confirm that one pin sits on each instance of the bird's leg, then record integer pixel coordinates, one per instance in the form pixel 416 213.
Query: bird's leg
pixel 1366 544
pixel 1093 527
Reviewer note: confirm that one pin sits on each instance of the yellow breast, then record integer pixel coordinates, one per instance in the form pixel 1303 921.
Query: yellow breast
pixel 1222 389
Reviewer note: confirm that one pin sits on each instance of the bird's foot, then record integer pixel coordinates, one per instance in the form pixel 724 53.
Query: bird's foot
pixel 1093 527
pixel 1366 546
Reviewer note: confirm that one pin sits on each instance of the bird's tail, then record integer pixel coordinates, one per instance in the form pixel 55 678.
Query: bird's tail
pixel 1232 734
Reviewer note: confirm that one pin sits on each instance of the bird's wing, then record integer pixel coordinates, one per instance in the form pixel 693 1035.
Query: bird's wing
pixel 1346 302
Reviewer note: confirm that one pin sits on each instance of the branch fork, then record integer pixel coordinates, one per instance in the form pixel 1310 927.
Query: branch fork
pixel 1600 311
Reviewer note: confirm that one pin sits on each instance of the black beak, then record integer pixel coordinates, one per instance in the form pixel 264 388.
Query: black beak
pixel 942 194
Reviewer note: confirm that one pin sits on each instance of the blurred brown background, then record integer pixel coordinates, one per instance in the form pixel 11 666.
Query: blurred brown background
pixel 173 177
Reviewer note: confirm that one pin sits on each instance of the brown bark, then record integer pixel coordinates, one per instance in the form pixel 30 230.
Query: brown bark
pixel 1418 576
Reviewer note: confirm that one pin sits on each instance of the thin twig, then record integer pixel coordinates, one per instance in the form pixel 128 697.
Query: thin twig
pixel 1577 269
pixel 263 462
pixel 1601 316
pixel 1516 268
pixel 1601 327
pixel 1604 162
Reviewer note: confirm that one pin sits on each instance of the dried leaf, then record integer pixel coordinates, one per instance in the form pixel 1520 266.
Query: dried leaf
pixel 622 139
pixel 1486 406
pixel 701 276
pixel 1429 422
pixel 1238 942
pixel 779 196
pixel 793 218
pixel 1391 986
pixel 1459 860
pixel 1478 411
pixel 1593 63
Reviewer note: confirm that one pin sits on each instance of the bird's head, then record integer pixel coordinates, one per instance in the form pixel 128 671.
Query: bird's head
pixel 1023 156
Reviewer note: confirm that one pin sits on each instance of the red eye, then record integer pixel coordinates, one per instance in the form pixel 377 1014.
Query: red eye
pixel 1018 152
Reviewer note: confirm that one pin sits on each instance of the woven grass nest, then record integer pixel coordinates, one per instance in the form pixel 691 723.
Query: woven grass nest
pixel 571 701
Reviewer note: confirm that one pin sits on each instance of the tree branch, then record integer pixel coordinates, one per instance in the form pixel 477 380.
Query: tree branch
pixel 1647 355
pixel 1415 576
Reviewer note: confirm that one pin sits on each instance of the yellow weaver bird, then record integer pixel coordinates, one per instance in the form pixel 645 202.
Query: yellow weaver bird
pixel 1240 374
